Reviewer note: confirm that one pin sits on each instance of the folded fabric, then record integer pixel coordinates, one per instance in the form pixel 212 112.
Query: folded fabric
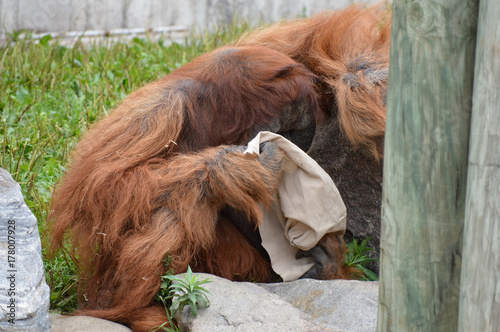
pixel 307 206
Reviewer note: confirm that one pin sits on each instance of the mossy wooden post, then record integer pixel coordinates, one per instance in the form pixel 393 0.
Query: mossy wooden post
pixel 425 163
pixel 480 280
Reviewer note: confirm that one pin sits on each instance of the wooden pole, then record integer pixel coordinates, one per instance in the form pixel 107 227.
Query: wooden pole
pixel 480 279
pixel 425 163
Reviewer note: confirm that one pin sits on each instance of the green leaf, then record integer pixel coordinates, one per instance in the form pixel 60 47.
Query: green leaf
pixel 192 297
pixel 45 40
pixel 110 75
pixel 202 290
pixel 194 310
pixel 370 276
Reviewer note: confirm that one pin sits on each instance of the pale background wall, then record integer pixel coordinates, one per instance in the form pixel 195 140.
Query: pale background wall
pixel 78 15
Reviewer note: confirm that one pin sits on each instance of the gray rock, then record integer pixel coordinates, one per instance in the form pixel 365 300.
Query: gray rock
pixel 24 295
pixel 84 324
pixel 245 307
pixel 303 306
pixel 346 305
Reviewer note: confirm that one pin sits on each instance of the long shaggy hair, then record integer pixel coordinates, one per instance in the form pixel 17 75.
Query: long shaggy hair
pixel 349 51
pixel 151 179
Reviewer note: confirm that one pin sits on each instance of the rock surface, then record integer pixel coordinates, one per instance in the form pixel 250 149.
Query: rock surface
pixel 24 295
pixel 303 306
pixel 84 324
pixel 346 305
pixel 244 306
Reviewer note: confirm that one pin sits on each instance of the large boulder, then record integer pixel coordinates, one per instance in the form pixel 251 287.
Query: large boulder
pixel 24 295
pixel 346 305
pixel 302 306
pixel 245 307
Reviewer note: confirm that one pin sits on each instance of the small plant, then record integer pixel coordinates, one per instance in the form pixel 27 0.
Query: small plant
pixel 187 291
pixel 357 256
pixel 178 291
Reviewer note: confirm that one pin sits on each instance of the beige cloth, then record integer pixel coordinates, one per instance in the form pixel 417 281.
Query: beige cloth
pixel 307 206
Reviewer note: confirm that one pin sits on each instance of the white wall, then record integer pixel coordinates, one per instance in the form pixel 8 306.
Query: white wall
pixel 79 15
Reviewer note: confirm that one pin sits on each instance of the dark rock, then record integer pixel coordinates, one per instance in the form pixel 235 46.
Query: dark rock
pixel 358 178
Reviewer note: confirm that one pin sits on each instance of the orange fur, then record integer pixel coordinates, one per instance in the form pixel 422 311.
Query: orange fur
pixel 150 179
pixel 230 253
pixel 349 51
pixel 336 249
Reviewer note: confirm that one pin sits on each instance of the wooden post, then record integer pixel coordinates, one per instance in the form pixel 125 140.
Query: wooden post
pixel 480 280
pixel 425 163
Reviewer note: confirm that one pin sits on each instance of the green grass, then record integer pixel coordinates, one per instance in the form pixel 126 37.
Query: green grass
pixel 51 94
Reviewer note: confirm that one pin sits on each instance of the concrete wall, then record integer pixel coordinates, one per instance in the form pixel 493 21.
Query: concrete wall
pixel 78 15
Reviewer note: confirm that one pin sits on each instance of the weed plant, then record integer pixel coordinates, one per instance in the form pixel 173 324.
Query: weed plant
pixel 177 292
pixel 358 256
